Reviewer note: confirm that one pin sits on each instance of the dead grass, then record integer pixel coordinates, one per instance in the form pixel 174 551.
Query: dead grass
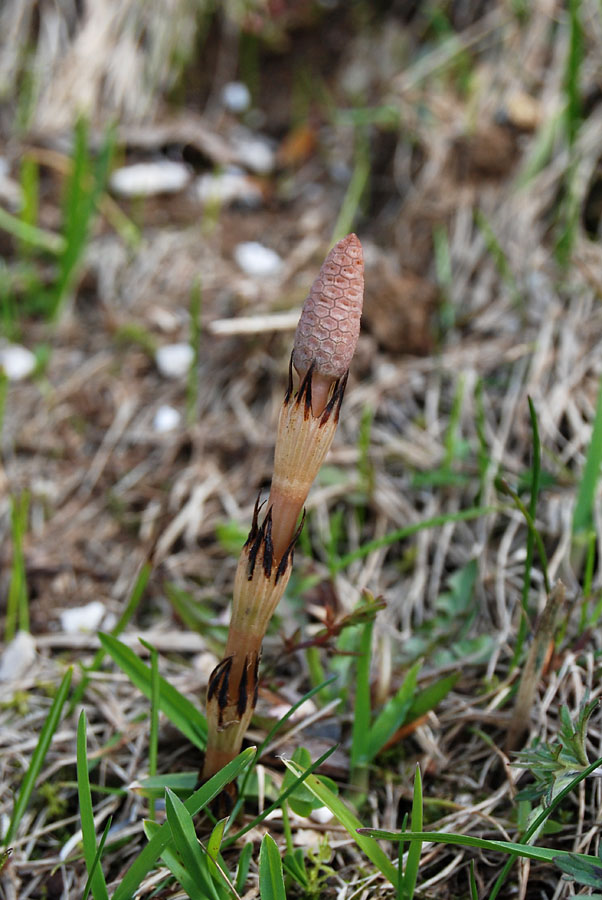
pixel 108 491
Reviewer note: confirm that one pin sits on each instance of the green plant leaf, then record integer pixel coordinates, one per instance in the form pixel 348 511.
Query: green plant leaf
pixel 543 854
pixel 39 755
pixel 294 864
pixel 97 858
pixel 242 870
pixel 362 709
pixel 349 821
pixel 177 868
pixel 393 714
pixel 408 882
pixel 431 696
pixel 271 879
pixel 181 783
pixel 301 800
pixel 582 515
pixel 586 873
pixel 213 847
pixel 160 840
pixel 95 873
pixel 178 709
pixel 185 839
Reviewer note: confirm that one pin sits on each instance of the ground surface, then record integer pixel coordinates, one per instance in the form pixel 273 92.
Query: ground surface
pixel 461 142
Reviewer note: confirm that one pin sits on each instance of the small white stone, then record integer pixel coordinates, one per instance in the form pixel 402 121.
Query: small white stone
pixel 228 187
pixel 17 362
pixel 166 419
pixel 321 815
pixel 255 259
pixel 174 360
pixel 253 151
pixel 18 657
pixel 146 179
pixel 83 618
pixel 236 96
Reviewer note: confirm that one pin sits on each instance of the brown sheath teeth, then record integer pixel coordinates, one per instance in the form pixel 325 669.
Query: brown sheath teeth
pixel 287 556
pixel 217 677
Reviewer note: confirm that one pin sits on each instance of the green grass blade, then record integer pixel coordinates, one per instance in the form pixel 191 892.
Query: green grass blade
pixel 408 885
pixel 400 534
pixel 362 708
pixel 213 845
pixel 181 783
pixel 95 873
pixel 394 713
pixel 160 840
pixel 271 879
pixel 178 709
pixel 472 882
pixel 131 607
pixel 31 234
pixel 242 871
pixel 431 696
pixel 185 841
pixel 582 516
pixel 97 858
pixel 356 188
pixel 175 866
pixel 349 821
pixel 39 755
pixel 153 741
pixel 542 854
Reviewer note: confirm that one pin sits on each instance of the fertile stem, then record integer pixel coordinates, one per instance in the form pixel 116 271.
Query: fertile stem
pixel 324 344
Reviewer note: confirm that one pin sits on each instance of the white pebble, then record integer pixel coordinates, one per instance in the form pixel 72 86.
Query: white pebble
pixel 228 187
pixel 83 618
pixel 236 96
pixel 253 151
pixel 146 179
pixel 18 657
pixel 166 419
pixel 174 360
pixel 255 259
pixel 321 815
pixel 17 362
